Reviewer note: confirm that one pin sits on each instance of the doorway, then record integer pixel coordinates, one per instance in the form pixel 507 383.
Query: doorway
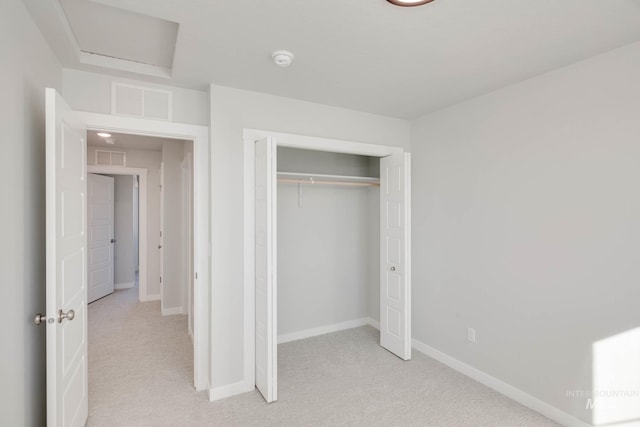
pixel 261 281
pixel 66 249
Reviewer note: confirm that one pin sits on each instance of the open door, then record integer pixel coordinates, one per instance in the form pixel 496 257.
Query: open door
pixel 395 253
pixel 101 242
pixel 66 247
pixel 266 300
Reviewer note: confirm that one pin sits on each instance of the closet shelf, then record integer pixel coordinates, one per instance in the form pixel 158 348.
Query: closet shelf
pixel 312 178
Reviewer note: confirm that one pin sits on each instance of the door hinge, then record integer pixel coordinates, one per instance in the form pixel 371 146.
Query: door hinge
pixel 160 279
pixel 196 276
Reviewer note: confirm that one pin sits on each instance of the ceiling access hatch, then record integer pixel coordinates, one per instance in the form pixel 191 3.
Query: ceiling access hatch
pixel 120 34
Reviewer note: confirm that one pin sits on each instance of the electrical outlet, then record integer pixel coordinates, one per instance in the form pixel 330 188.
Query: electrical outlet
pixel 471 335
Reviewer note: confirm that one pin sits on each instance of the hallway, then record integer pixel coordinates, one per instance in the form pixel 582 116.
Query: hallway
pixel 134 355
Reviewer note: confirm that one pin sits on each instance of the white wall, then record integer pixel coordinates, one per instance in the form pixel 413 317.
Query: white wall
pixel 231 111
pixel 27 66
pixel 526 226
pixel 91 92
pixel 149 160
pixel 124 250
pixel 173 284
pixel 324 243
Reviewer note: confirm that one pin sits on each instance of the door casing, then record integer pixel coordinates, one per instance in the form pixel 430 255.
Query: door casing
pixel 250 136
pixel 201 210
pixel 141 173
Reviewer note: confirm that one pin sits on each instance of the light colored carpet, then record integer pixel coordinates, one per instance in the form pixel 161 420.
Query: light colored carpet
pixel 140 374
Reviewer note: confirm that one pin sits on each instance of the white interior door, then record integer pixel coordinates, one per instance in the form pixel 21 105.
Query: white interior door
pixel 395 255
pixel 265 292
pixel 100 208
pixel 66 259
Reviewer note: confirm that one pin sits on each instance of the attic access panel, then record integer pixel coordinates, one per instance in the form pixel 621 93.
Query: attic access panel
pixel 118 33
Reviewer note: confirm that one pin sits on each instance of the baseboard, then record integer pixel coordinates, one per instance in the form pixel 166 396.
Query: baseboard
pixel 225 391
pixel 308 333
pixel 373 322
pixel 173 311
pixel 124 285
pixel 501 387
pixel 149 298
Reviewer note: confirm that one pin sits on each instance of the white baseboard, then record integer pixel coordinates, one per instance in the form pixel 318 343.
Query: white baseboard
pixel 224 391
pixel 501 387
pixel 308 333
pixel 124 285
pixel 173 311
pixel 373 322
pixel 150 298
pixel 494 383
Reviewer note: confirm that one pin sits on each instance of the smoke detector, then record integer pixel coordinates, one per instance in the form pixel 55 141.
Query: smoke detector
pixel 282 58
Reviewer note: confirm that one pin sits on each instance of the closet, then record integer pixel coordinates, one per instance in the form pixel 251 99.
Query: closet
pixel 328 241
pixel 332 247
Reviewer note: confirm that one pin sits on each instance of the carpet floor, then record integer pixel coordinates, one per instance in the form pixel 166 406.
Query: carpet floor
pixel 141 374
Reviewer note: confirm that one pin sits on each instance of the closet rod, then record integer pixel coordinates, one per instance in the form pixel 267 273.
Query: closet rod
pixel 313 182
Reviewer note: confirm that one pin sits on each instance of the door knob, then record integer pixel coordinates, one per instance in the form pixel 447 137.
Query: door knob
pixel 113 240
pixel 69 315
pixel 159 246
pixel 393 269
pixel 40 319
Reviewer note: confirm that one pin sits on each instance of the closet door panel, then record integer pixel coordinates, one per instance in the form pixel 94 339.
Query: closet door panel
pixel 265 273
pixel 395 251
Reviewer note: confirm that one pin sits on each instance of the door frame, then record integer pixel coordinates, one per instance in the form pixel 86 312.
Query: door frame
pixel 293 141
pixel 141 173
pixel 201 212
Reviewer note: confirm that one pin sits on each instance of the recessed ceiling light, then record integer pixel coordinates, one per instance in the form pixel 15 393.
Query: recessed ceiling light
pixel 104 134
pixel 282 58
pixel 409 3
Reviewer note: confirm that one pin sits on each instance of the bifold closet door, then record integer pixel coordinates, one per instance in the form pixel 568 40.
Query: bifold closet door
pixel 265 268
pixel 395 255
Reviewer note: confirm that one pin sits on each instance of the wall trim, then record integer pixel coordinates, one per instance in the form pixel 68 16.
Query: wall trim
pixel 501 387
pixel 492 382
pixel 149 298
pixel 322 330
pixel 172 311
pixel 124 285
pixel 142 174
pixel 250 136
pixel 201 220
pixel 373 322
pixel 233 389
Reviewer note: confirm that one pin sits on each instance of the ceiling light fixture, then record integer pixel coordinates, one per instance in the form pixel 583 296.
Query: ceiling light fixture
pixel 104 134
pixel 109 141
pixel 409 3
pixel 282 58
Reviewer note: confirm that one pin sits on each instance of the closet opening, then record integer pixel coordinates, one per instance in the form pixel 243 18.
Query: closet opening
pixel 329 224
pixel 328 234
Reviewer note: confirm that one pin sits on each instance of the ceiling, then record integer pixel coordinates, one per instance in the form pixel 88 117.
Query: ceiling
pixel 123 140
pixel 365 55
